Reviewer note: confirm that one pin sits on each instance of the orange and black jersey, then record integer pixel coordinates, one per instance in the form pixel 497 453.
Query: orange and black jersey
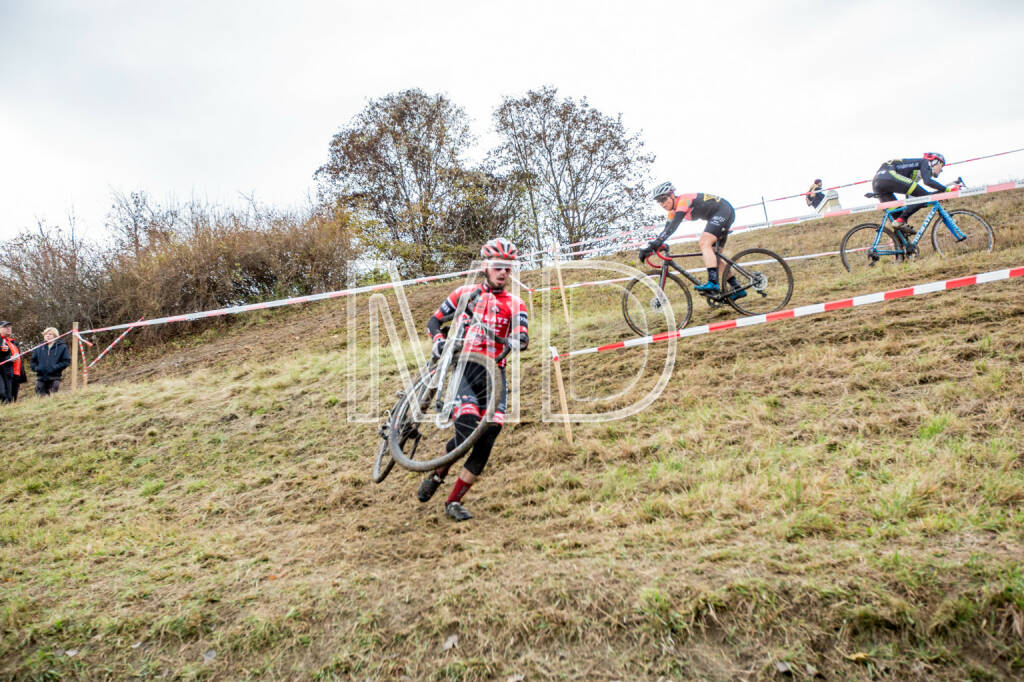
pixel 503 312
pixel 697 206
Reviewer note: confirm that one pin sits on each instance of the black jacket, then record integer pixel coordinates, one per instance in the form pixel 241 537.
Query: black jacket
pixel 5 354
pixel 48 362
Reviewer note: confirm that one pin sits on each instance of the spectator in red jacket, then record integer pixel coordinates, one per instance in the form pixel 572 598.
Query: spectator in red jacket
pixel 8 349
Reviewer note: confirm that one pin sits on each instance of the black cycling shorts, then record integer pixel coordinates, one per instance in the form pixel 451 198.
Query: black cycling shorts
pixel 473 394
pixel 720 222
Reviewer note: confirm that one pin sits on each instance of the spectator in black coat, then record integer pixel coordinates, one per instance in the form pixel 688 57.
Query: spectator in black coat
pixel 49 361
pixel 814 195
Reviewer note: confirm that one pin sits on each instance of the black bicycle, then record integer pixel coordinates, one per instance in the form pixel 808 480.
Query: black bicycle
pixel 423 418
pixel 663 303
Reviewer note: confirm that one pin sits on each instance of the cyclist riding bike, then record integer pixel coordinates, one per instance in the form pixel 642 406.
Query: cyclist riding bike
pixel 904 176
pixel 719 215
pixel 506 315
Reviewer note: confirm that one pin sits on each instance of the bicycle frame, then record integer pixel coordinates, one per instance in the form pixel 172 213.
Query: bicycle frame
pixel 445 401
pixel 890 215
pixel 668 261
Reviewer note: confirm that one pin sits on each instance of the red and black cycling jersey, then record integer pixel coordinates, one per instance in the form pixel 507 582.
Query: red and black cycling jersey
pixel 503 312
pixel 910 171
pixel 696 206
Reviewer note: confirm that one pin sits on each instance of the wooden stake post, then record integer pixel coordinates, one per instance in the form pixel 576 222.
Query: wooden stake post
pixel 74 357
pixel 561 393
pixel 561 287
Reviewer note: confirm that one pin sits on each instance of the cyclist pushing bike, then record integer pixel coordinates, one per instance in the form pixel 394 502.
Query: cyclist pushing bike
pixel 905 176
pixel 719 215
pixel 505 315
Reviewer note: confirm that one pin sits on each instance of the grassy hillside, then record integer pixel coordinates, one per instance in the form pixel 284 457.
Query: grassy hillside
pixel 837 496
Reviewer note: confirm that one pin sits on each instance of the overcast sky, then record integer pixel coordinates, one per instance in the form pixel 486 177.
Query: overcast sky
pixel 219 99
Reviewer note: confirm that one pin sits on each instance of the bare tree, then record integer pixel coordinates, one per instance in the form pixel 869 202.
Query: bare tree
pixel 136 223
pixel 49 277
pixel 583 171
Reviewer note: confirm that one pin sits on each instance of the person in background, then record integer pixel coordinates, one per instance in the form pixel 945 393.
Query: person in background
pixel 814 195
pixel 18 373
pixel 6 367
pixel 49 362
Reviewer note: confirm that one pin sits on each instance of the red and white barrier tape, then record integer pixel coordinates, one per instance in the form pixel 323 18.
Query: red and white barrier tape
pixel 26 352
pixel 814 309
pixel 617 280
pixel 190 317
pixel 965 192
pixel 85 367
pixel 862 182
pixel 116 341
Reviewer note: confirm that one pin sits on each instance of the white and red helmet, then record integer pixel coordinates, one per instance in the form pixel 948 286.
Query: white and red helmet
pixel 499 249
pixel 934 157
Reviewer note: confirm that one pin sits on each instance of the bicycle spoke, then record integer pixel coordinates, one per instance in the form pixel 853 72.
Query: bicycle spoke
pixel 764 277
pixel 859 252
pixel 423 427
pixel 978 235
pixel 650 310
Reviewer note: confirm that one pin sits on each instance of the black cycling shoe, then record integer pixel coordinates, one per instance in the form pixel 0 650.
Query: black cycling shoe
pixel 428 486
pixel 457 511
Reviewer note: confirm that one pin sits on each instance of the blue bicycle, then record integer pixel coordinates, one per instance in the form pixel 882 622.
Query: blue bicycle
pixel 953 233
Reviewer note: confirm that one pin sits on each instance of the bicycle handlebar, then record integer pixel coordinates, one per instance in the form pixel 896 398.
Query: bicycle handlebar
pixel 658 254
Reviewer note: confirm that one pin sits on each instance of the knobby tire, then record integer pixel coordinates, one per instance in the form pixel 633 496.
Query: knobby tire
pixel 405 433
pixel 853 250
pixel 681 317
pixel 774 278
pixel 980 236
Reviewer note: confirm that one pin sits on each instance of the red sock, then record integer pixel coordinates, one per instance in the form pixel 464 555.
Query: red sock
pixel 458 490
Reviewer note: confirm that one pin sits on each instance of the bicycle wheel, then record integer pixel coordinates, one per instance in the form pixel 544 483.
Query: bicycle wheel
pixel 857 252
pixel 645 309
pixel 764 276
pixel 977 230
pixel 383 463
pixel 420 425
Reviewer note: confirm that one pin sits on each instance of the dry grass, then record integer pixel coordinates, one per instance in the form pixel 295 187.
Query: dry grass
pixel 840 494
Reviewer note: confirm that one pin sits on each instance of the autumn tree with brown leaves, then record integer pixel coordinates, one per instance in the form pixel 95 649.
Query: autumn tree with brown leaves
pixel 401 161
pixel 584 172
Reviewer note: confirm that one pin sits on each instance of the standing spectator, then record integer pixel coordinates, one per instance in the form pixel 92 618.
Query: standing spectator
pixel 49 361
pixel 814 195
pixel 18 373
pixel 6 368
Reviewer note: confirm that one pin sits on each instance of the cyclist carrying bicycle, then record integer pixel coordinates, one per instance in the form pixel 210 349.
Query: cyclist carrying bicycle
pixel 904 176
pixel 506 315
pixel 719 215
